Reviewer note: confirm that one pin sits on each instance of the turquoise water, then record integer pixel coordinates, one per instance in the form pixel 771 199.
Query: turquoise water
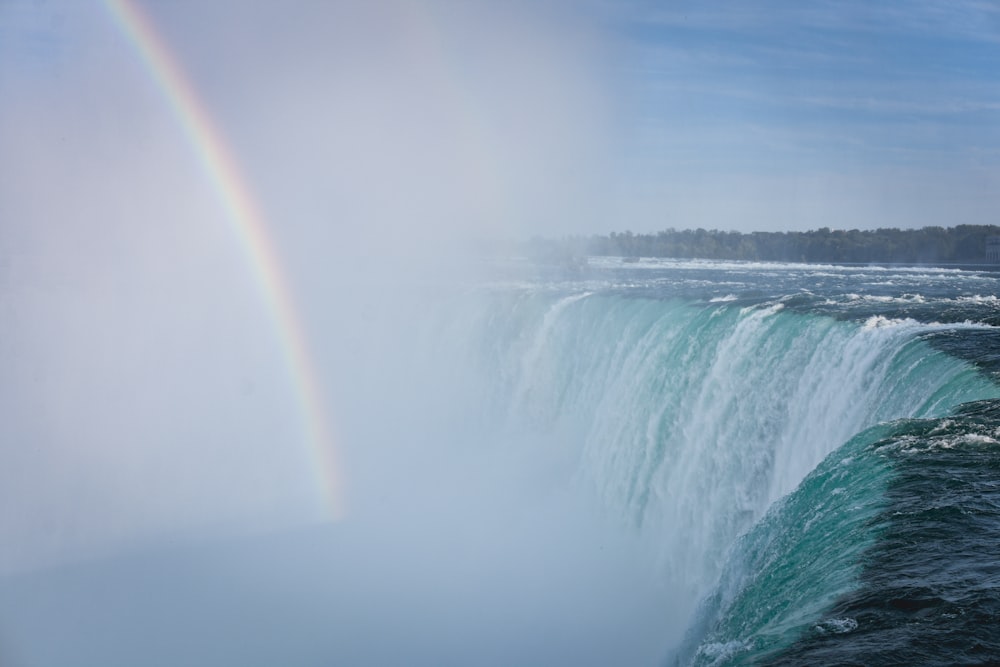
pixel 742 417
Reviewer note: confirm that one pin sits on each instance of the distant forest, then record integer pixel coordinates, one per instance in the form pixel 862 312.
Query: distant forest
pixel 963 244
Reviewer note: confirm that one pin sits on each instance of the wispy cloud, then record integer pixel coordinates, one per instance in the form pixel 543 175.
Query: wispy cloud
pixel 800 88
pixel 961 19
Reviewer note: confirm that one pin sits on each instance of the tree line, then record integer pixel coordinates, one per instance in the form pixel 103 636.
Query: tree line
pixel 929 245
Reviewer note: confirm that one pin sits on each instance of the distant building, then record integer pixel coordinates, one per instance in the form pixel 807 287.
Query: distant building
pixel 993 249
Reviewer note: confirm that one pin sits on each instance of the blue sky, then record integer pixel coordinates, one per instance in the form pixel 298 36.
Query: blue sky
pixel 796 115
pixel 578 117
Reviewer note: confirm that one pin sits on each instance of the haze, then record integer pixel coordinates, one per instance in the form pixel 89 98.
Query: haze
pixel 151 446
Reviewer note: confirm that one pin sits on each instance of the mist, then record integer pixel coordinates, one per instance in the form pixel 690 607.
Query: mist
pixel 158 495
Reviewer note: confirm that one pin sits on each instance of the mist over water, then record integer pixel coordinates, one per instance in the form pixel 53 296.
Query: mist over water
pixel 159 496
pixel 142 359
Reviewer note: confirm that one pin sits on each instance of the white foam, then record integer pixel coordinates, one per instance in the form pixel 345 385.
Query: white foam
pixel 721 652
pixel 837 626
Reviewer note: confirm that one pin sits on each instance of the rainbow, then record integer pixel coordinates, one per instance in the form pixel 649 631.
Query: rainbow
pixel 248 224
